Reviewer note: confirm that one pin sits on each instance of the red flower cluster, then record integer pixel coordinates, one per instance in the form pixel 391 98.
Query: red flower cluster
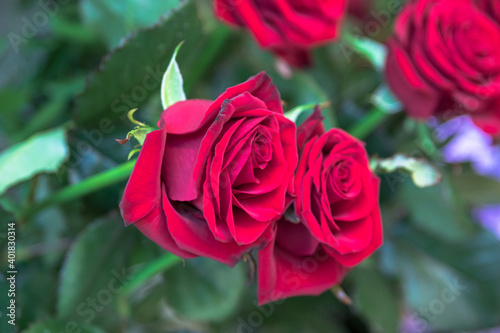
pixel 217 177
pixel 444 60
pixel 336 200
pixel 288 28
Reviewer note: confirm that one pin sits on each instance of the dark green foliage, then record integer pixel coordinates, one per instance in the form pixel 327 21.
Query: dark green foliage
pixel 94 61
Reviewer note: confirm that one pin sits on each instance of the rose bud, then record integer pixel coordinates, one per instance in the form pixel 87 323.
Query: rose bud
pixel 288 28
pixel 213 179
pixel 340 224
pixel 444 61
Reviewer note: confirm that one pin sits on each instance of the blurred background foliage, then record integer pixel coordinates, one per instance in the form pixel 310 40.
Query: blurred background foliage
pixel 70 71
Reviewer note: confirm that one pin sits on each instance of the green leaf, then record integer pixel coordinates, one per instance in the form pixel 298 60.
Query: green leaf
pixel 115 19
pixel 171 85
pixel 423 173
pixel 323 313
pixel 68 29
pixel 369 123
pixel 139 132
pixel 299 113
pixel 475 189
pixel 133 72
pixel 434 210
pixel 43 152
pixel 205 289
pixel 376 299
pixel 150 269
pixel 132 153
pixel 58 326
pixel 373 51
pixel 95 269
pixel 130 116
pixel 8 205
pixel 49 113
pixel 89 185
pixel 450 285
pixel 383 99
pixel 51 223
pixel 42 119
pixel 12 99
pixel 308 90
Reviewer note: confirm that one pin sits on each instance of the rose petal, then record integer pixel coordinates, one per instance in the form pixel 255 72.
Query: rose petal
pixel 419 98
pixel 354 258
pixel 192 234
pixel 185 116
pixel 143 191
pixel 281 274
pixel 154 226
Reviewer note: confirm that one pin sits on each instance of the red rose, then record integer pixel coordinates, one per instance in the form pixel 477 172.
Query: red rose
pixel 359 9
pixel 287 27
pixel 490 7
pixel 295 263
pixel 212 180
pixel 337 203
pixel 444 60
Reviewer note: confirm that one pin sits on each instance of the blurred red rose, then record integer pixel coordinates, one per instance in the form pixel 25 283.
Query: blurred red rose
pixel 287 27
pixel 337 204
pixel 213 179
pixel 444 60
pixel 490 7
pixel 360 9
pixel 295 263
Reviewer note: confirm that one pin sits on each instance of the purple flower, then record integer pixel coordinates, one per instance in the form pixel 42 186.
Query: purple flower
pixel 489 218
pixel 469 144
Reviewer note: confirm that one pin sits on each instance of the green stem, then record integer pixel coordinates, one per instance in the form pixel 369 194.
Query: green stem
pixel 149 270
pixel 428 145
pixel 121 172
pixel 363 128
pixel 8 204
pixel 295 113
pixel 426 141
pixel 89 185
